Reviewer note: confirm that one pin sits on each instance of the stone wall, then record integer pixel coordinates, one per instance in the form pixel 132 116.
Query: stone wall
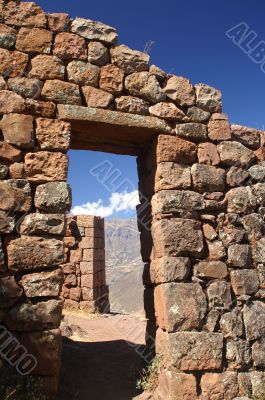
pixel 202 192
pixel 84 285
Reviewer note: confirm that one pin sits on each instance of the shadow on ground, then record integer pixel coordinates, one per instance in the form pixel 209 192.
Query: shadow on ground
pixel 99 371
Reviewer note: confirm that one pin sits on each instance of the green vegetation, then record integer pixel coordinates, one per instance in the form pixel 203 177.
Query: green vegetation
pixel 260 396
pixel 16 387
pixel 149 375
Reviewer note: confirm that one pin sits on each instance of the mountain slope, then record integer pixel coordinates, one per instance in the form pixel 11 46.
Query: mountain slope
pixel 124 266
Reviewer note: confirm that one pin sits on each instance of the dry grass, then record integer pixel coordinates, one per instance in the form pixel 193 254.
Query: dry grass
pixel 149 375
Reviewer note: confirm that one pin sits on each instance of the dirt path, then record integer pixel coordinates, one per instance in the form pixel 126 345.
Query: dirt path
pixel 100 359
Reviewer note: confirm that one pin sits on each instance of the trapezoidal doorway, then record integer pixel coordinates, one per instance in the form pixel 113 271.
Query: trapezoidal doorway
pixel 104 324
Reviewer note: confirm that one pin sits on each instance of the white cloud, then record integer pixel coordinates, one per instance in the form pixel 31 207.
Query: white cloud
pixel 117 202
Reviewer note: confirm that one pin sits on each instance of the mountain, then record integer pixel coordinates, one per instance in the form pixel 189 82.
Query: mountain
pixel 122 242
pixel 124 266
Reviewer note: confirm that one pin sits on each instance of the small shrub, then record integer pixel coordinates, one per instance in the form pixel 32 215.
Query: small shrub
pixel 260 396
pixel 149 375
pixel 16 387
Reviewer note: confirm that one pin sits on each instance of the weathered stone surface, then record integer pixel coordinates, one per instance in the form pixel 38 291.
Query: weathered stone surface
pixel 258 352
pixel 18 130
pixel 236 176
pixel 53 134
pixel 253 225
pixel 34 40
pixel 251 384
pixel 68 46
pixel 239 255
pixel 12 63
pixel 29 253
pixel 11 102
pixel 259 193
pixel 177 237
pixel 45 166
pixel 216 250
pixel 7 36
pixel 199 351
pixel 3 171
pixel 171 175
pixel 61 92
pixel 180 90
pixel 3 85
pixel 208 154
pixel 145 85
pixel 192 131
pixel 70 280
pixel 113 118
pixel 257 172
pixel 24 14
pixel 209 232
pixel 45 109
pixel 9 153
pixel 7 223
pixel 254 319
pixel 208 98
pixel 83 73
pixel 196 114
pixel 231 324
pixel 238 353
pixel 168 111
pixel 111 79
pixel 235 154
pixel 75 294
pixel 240 200
pixel 231 235
pixel 173 201
pixel 47 67
pixel 96 97
pixel 129 60
pixel 172 385
pixel 170 148
pixel 7 197
pixel 53 197
pixel 169 269
pixel 33 317
pixel 207 178
pixel 179 306
pixel 259 251
pixel 10 292
pixel 211 270
pixel 43 284
pixel 244 282
pixel 26 87
pixel 158 72
pixel 219 295
pixel 248 136
pixel 219 386
pixel 132 105
pixel 46 348
pixel 219 128
pixel 98 54
pixel 22 194
pixel 58 22
pixel 43 224
pixel 94 30
pixel 261 272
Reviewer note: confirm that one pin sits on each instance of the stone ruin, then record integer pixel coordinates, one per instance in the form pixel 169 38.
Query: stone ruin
pixel 84 288
pixel 67 85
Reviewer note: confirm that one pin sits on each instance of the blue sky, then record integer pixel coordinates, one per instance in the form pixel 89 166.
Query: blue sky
pixel 189 40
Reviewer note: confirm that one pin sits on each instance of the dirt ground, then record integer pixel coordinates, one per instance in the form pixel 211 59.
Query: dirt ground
pixel 101 357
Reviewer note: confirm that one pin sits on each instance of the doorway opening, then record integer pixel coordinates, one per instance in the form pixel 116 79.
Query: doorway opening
pixel 104 348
